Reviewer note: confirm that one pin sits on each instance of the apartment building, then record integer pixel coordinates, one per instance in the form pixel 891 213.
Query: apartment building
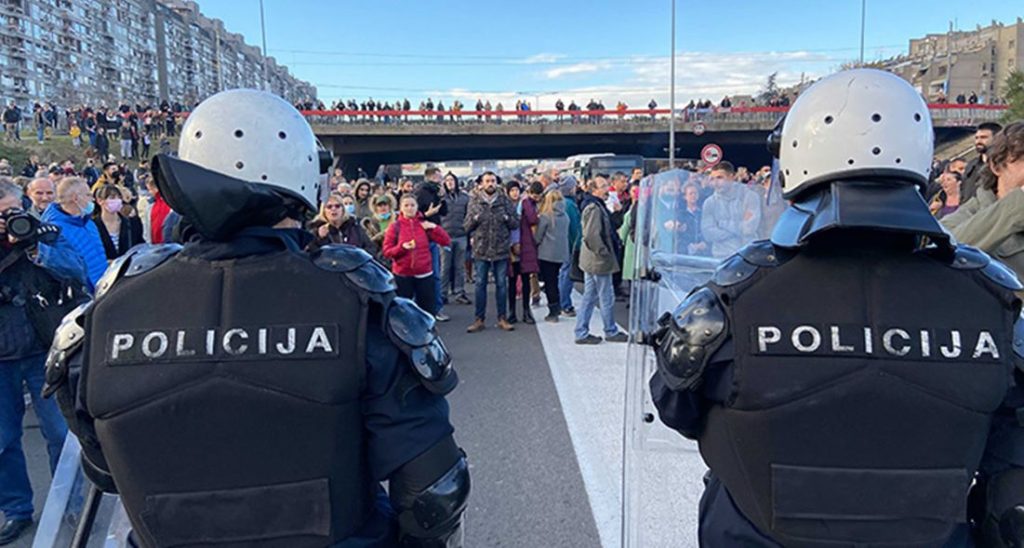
pixel 143 51
pixel 963 62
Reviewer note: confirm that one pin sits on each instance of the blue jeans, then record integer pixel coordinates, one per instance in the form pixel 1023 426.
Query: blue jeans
pixel 40 132
pixel 15 489
pixel 453 267
pixel 565 286
pixel 482 271
pixel 435 263
pixel 597 291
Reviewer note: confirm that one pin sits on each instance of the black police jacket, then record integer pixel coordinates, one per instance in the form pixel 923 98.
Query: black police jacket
pixel 247 393
pixel 838 402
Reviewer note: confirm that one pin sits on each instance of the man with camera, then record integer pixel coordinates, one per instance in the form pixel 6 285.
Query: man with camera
pixel 41 279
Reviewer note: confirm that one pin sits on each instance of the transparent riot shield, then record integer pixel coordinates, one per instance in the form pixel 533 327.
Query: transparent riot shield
pixel 686 224
pixel 76 514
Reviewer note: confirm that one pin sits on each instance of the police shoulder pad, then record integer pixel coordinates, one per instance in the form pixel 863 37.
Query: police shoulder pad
pixel 970 258
pixel 358 267
pixel 412 330
pixel 67 340
pixel 693 333
pixel 139 260
pixel 747 261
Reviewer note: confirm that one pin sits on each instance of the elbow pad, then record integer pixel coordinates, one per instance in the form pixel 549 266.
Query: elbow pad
pixel 430 515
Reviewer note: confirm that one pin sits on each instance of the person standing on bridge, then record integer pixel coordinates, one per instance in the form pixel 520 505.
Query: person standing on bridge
pixel 808 363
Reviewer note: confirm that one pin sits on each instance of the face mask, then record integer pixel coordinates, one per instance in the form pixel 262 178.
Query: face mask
pixel 384 216
pixel 88 209
pixel 113 205
pixel 350 209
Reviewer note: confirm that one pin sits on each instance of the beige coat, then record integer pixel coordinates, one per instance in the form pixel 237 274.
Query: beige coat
pixel 996 228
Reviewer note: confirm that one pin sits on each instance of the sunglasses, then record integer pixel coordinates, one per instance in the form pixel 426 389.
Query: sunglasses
pixel 332 206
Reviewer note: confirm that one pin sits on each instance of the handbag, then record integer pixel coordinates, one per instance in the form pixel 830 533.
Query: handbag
pixel 575 273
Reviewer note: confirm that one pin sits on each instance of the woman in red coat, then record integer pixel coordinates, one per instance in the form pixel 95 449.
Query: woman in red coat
pixel 407 244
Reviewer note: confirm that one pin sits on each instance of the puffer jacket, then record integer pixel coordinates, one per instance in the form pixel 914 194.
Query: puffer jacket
pixel 84 237
pixel 453 222
pixel 416 261
pixel 490 221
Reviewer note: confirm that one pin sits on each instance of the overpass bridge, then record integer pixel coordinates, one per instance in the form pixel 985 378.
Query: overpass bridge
pixel 366 139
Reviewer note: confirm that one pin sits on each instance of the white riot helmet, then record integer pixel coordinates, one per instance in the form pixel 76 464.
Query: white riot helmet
pixel 256 137
pixel 863 123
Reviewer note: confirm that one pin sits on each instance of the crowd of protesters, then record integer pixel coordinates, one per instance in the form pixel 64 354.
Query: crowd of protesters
pixel 402 110
pixel 535 236
pixel 133 129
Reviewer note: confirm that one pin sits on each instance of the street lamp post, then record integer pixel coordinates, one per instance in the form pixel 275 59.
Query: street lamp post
pixel 863 7
pixel 263 31
pixel 672 97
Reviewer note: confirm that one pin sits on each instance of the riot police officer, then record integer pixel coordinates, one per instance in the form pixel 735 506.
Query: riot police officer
pixel 835 399
pixel 240 392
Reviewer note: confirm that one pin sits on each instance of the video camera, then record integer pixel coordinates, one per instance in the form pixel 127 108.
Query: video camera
pixel 21 224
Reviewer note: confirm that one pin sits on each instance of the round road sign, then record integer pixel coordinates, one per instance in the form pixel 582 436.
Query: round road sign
pixel 699 129
pixel 711 154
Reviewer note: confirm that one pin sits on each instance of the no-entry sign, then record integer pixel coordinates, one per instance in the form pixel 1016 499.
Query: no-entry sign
pixel 699 129
pixel 711 154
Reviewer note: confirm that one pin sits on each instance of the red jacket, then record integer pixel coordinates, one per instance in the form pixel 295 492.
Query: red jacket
pixel 414 262
pixel 157 213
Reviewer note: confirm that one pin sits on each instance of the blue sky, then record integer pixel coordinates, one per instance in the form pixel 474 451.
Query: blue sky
pixel 576 49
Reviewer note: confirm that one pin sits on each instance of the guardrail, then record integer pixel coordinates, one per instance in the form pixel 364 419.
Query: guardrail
pixel 946 114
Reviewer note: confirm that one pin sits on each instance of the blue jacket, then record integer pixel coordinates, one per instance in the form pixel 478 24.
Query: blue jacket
pixel 84 237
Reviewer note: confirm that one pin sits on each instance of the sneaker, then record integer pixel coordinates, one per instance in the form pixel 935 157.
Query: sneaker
pixel 569 313
pixel 478 325
pixel 621 336
pixel 462 299
pixel 589 339
pixel 504 325
pixel 512 319
pixel 551 318
pixel 442 317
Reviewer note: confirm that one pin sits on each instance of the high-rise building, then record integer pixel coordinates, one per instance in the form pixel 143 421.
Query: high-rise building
pixel 139 51
pixel 963 62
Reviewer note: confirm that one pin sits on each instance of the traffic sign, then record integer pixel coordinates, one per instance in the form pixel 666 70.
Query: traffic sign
pixel 711 154
pixel 699 129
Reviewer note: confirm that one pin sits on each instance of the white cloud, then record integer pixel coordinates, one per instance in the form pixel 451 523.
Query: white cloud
pixel 699 75
pixel 578 68
pixel 542 58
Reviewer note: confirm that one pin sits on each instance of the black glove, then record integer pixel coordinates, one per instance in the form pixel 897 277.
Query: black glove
pixel 47 233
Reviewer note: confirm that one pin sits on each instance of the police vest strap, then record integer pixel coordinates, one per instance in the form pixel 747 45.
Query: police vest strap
pixel 1018 341
pixel 748 260
pixel 688 338
pixel 139 260
pixel 969 258
pixel 359 268
pixel 413 331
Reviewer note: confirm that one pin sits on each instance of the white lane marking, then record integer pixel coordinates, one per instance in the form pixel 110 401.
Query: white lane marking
pixel 590 381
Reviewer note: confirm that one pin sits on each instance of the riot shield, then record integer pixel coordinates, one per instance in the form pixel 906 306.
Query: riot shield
pixel 686 223
pixel 76 514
